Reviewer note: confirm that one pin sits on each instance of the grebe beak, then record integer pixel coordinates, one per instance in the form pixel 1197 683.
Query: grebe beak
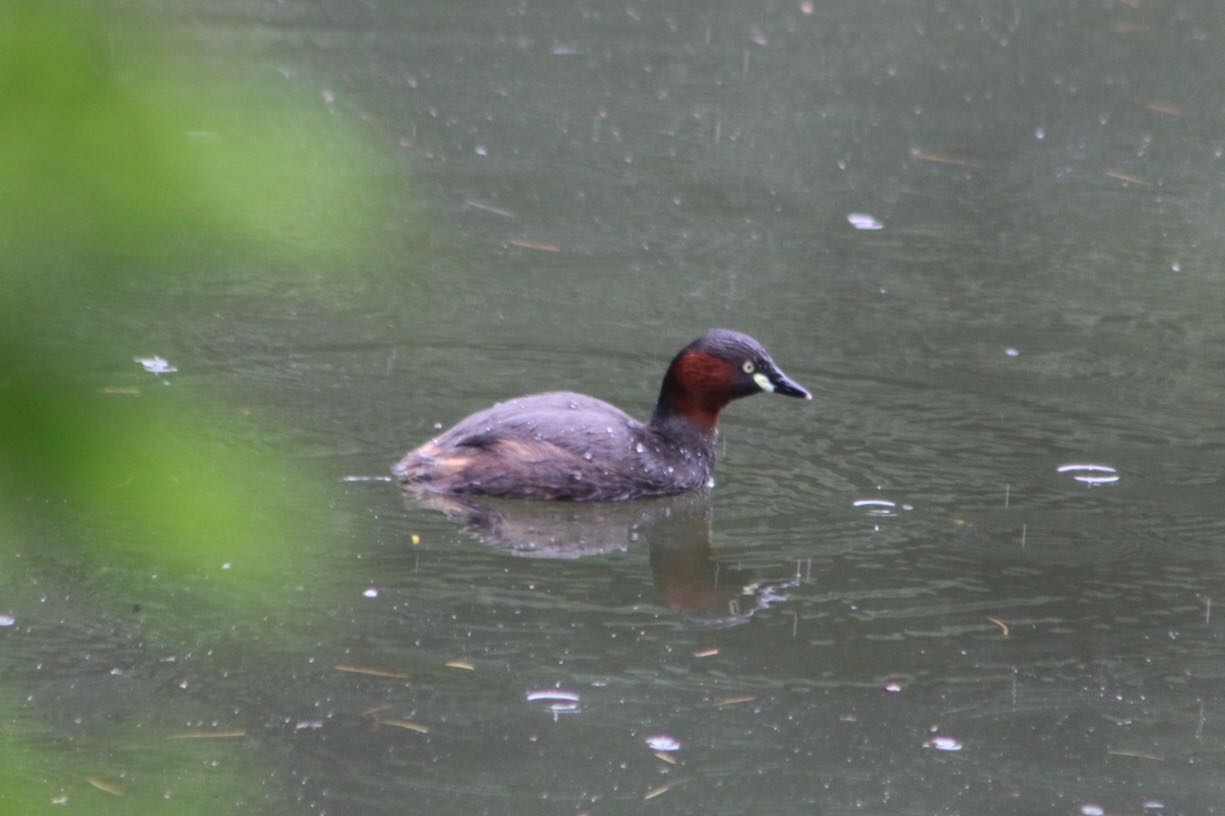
pixel 786 386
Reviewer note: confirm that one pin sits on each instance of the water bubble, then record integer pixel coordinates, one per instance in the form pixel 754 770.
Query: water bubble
pixel 1090 474
pixel 945 743
pixel 370 592
pixel 1012 351
pixel 663 742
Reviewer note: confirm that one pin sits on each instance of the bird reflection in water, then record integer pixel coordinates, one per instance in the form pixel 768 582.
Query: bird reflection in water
pixel 676 530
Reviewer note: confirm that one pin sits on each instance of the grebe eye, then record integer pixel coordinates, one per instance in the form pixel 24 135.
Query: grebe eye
pixel 748 366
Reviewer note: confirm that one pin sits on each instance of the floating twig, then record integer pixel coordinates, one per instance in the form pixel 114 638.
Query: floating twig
pixel 371 671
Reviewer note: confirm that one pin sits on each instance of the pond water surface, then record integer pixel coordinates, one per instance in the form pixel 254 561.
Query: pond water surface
pixel 987 235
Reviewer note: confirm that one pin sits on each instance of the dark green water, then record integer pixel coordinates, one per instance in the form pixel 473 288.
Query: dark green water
pixel 586 187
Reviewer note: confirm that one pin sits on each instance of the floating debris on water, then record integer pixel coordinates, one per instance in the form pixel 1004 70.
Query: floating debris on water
pixel 1092 809
pixel 552 695
pixel 370 671
pixel 407 725
pixel 894 686
pixel 1128 178
pixel 1090 474
pixel 876 507
pixel 106 787
pixel 460 664
pixel 155 365
pixel 308 725
pixel 663 742
pixel 233 733
pixel 359 478
pixel 945 743
pixel 7 620
pixel 370 592
pixel 711 652
pixel 864 221
pixel 941 157
pixel 539 246
pixel 727 701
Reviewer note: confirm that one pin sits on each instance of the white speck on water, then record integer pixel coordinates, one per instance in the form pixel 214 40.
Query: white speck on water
pixel 370 592
pixel 609 430
pixel 309 725
pixel 1092 809
pixel 1011 351
pixel 116 672
pixel 329 97
pixel 639 448
pixel 156 365
pixel 663 742
pixel 7 620
pixel 945 744
pixel 227 565
pixel 894 686
pixel 1153 804
pixel 359 478
pixel 59 800
pixel 864 221
pixel 710 482
pixel 1039 133
pixel 481 150
pixel 588 455
pixel 572 405
pixel 1176 267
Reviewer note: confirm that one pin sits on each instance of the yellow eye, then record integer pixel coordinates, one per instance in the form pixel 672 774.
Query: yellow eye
pixel 748 366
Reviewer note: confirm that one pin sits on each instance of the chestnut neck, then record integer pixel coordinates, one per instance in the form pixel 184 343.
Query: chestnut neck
pixel 696 388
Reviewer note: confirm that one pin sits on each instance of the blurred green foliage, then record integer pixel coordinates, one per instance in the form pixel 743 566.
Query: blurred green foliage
pixel 124 156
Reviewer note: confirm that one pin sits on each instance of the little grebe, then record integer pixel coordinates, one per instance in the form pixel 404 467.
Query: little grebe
pixel 563 445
